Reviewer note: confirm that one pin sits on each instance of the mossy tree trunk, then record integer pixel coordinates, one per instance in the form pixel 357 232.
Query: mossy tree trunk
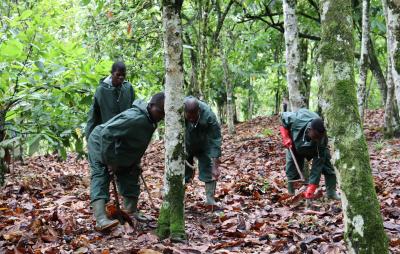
pixel 362 84
pixel 250 99
pixel 364 232
pixel 389 113
pixel 393 32
pixel 306 73
pixel 292 50
pixel 376 70
pixel 230 106
pixel 3 166
pixel 171 222
pixel 193 88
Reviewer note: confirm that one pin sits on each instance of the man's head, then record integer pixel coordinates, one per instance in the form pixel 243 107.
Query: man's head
pixel 118 73
pixel 192 110
pixel 317 130
pixel 156 107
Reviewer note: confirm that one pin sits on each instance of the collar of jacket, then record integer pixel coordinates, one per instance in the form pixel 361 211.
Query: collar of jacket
pixel 143 107
pixel 108 82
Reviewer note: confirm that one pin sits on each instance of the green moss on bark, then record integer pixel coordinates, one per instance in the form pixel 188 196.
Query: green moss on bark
pixel 163 221
pixel 364 232
pixel 177 217
pixel 171 221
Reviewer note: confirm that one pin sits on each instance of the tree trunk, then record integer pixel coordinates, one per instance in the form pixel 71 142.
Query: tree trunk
pixel 250 106
pixel 194 84
pixel 306 73
pixel 364 232
pixel 194 88
pixel 278 95
pixel 204 8
pixel 376 70
pixel 230 112
pixel 389 113
pixel 3 166
pixel 362 84
pixel 293 68
pixel 393 31
pixel 171 219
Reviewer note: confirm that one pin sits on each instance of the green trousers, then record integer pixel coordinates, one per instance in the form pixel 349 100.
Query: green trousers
pixel 127 179
pixel 205 167
pixel 320 165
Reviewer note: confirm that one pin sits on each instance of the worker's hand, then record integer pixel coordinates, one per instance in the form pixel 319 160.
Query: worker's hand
pixel 215 168
pixel 309 193
pixel 286 140
pixel 190 168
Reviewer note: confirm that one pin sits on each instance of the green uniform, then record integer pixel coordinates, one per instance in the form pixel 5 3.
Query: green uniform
pixel 120 143
pixel 298 123
pixel 203 141
pixel 108 102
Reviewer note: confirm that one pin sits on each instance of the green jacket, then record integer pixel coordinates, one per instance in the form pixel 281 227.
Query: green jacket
pixel 298 123
pixel 108 102
pixel 123 140
pixel 206 135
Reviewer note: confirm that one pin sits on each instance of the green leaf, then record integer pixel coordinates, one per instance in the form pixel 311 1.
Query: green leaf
pixel 26 14
pixel 87 100
pixel 2 152
pixel 62 152
pixel 11 49
pixel 40 64
pixel 85 2
pixel 100 4
pixel 34 144
pixel 8 143
pixel 79 146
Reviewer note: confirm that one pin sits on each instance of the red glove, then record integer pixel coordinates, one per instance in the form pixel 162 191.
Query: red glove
pixel 287 141
pixel 310 191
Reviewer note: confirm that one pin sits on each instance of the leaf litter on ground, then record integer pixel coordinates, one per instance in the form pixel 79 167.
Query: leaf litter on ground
pixel 45 205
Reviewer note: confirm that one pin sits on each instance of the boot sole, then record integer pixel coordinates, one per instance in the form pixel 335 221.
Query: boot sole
pixel 107 227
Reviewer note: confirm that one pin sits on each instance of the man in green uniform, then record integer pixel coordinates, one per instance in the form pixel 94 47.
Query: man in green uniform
pixel 113 96
pixel 119 145
pixel 203 141
pixel 304 132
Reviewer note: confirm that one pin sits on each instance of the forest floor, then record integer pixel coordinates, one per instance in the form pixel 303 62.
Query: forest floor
pixel 44 206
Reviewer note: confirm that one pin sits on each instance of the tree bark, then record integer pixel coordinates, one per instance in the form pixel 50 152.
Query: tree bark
pixel 250 101
pixel 194 84
pixel 194 88
pixel 230 112
pixel 362 84
pixel 393 31
pixel 364 232
pixel 376 70
pixel 306 73
pixel 3 166
pixel 171 219
pixel 278 92
pixel 204 10
pixel 389 113
pixel 293 68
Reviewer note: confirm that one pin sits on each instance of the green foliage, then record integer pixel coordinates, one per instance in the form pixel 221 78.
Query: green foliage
pixel 268 132
pixel 379 145
pixel 46 75
pixel 52 54
pixel 265 186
